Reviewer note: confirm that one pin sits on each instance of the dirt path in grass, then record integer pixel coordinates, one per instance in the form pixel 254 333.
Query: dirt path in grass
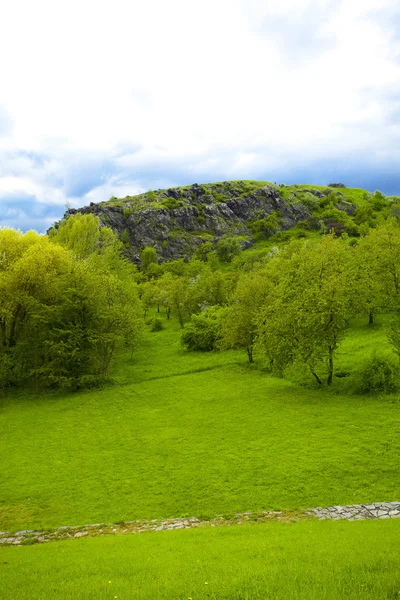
pixel 355 512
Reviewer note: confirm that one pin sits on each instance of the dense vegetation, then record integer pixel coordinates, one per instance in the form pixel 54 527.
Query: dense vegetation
pixel 68 303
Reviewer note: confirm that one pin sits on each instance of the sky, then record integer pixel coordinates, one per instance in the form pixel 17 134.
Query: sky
pixel 101 98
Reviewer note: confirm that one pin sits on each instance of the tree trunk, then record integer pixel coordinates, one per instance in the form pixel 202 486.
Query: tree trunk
pixel 330 367
pixel 249 350
pixel 316 376
pixel 371 319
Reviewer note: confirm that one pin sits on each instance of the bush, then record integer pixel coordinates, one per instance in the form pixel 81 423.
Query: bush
pixel 227 248
pixel 378 376
pixel 156 324
pixel 203 331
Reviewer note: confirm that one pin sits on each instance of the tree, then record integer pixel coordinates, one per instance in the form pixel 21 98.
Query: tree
pixel 202 252
pixel 83 235
pixel 239 326
pixel 63 316
pixel 370 296
pixel 203 331
pixel 382 246
pixel 148 257
pixel 308 311
pixel 227 248
pixel 209 288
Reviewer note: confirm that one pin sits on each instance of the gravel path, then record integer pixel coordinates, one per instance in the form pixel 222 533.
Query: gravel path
pixel 355 512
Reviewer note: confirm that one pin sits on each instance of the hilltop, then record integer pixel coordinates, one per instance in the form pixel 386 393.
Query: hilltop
pixel 178 220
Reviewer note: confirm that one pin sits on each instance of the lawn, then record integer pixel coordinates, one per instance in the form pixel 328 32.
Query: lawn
pixel 309 560
pixel 195 434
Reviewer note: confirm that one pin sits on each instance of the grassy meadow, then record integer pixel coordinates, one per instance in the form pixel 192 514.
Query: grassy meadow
pixel 199 434
pixel 196 434
pixel 309 560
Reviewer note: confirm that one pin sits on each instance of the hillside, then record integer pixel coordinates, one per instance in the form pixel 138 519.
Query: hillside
pixel 178 220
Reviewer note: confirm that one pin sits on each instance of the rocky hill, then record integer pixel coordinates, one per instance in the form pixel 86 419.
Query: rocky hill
pixel 178 220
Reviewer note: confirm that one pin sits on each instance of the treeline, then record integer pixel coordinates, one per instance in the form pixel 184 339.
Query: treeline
pixel 292 304
pixel 68 303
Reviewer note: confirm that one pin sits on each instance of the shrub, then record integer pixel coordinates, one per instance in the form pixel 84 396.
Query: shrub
pixel 227 248
pixel 171 203
pixel 128 211
pixel 203 331
pixel 148 257
pixel 156 324
pixel 378 376
pixel 125 237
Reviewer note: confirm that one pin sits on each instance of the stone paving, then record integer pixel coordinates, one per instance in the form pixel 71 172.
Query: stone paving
pixel 358 512
pixel 355 512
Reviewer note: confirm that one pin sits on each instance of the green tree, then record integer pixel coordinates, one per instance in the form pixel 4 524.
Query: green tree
pixel 239 327
pixel 308 312
pixel 203 330
pixel 227 248
pixel 148 257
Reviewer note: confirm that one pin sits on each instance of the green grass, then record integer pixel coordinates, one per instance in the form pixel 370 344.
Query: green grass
pixel 313 561
pixel 192 434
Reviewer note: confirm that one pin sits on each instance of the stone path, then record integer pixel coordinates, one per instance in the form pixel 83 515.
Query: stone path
pixel 355 512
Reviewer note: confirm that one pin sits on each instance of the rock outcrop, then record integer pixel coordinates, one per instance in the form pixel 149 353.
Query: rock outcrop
pixel 178 220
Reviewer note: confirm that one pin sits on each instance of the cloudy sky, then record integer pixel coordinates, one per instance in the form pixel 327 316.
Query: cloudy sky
pixel 101 98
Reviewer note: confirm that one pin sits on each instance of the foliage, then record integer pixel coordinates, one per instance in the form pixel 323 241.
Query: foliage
pixel 125 237
pixel 267 226
pixel 202 252
pixel 308 313
pixel 239 327
pixel 83 235
pixel 227 248
pixel 68 303
pixel 148 257
pixel 156 324
pixel 379 375
pixel 203 330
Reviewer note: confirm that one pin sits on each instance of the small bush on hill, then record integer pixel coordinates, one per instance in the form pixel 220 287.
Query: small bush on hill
pixel 156 324
pixel 378 376
pixel 227 248
pixel 203 331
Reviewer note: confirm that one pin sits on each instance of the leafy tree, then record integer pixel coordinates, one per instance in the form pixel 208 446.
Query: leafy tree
pixel 63 316
pixel 175 290
pixel 227 248
pixel 83 235
pixel 148 257
pixel 209 288
pixel 239 326
pixel 267 226
pixel 383 247
pixel 203 330
pixel 307 314
pixel 202 252
pixel 370 296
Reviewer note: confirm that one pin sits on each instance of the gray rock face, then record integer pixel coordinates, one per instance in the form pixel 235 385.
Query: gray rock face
pixel 177 221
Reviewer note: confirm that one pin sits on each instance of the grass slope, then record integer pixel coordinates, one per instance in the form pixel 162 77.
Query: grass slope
pixel 313 560
pixel 198 434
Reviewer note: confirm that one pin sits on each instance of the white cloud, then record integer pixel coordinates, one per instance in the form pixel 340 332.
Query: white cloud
pixel 214 87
